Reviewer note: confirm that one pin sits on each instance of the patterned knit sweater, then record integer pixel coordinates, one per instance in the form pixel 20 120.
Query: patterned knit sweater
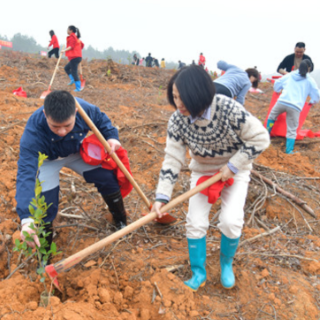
pixel 231 135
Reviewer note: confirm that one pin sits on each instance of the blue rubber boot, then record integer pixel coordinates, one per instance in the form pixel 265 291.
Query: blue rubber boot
pixel 227 252
pixel 78 86
pixel 290 145
pixel 72 80
pixel 197 255
pixel 270 124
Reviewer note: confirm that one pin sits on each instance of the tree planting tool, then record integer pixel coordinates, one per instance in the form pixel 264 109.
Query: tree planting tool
pixel 83 81
pixel 53 270
pixel 45 93
pixel 165 219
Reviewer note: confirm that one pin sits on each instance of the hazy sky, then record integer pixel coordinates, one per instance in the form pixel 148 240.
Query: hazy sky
pixel 246 33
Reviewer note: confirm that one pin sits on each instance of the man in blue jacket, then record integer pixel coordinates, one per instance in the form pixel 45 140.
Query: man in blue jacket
pixel 57 130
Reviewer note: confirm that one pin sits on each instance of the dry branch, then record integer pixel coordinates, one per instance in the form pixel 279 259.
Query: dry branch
pixel 259 236
pixel 289 195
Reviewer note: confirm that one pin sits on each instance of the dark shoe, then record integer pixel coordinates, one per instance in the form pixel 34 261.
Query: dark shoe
pixel 116 207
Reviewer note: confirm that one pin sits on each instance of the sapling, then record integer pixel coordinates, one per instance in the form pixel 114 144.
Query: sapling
pixel 38 211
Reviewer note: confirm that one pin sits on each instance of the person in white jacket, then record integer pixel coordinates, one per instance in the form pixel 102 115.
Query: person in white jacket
pixel 296 87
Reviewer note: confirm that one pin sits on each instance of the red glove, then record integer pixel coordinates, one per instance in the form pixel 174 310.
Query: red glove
pixel 214 191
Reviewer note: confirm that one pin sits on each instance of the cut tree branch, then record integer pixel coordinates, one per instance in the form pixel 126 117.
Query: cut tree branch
pixel 289 195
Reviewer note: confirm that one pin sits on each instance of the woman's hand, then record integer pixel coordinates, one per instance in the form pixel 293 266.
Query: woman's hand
pixel 114 145
pixel 156 208
pixel 226 173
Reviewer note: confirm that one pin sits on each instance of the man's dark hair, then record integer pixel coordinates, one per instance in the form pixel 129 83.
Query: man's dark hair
pixel 255 73
pixel 51 32
pixel 300 45
pixel 59 106
pixel 195 87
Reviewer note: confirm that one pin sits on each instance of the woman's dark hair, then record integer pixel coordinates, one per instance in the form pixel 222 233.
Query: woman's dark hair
pixel 51 32
pixel 300 45
pixel 195 87
pixel 75 30
pixel 255 73
pixel 304 67
pixel 59 106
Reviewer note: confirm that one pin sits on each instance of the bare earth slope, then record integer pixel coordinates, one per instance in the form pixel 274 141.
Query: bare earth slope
pixel 276 275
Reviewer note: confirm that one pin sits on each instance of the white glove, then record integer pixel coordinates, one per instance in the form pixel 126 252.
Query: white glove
pixel 26 227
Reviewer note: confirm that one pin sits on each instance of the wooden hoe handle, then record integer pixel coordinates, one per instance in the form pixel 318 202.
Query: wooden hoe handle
pixel 113 155
pixel 56 68
pixel 68 263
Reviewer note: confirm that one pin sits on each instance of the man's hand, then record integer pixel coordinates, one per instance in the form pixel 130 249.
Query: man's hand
pixel 26 228
pixel 226 173
pixel 156 208
pixel 114 145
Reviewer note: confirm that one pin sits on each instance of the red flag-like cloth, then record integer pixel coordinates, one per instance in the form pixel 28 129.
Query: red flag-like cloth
pixel 92 152
pixel 214 191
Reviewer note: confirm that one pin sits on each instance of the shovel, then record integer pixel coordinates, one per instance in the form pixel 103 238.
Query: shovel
pixel 83 82
pixel 165 219
pixel 45 93
pixel 63 265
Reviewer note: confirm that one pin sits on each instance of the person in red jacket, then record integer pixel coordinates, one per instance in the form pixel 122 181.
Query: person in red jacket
pixel 74 54
pixel 54 42
pixel 202 60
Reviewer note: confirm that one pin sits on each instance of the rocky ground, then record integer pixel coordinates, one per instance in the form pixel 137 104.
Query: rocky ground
pixel 141 276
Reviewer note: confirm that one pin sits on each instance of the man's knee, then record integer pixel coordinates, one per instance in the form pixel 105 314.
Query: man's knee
pixel 105 180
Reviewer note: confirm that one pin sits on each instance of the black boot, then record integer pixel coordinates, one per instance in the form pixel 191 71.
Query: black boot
pixel 116 207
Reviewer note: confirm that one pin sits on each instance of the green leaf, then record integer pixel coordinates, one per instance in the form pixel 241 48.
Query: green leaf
pixel 43 250
pixel 42 279
pixel 53 247
pixel 17 242
pixel 38 214
pixel 40 270
pixel 25 233
pixel 31 209
pixel 38 191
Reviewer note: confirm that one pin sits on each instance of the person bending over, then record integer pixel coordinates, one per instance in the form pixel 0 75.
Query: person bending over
pixel 236 82
pixel 221 136
pixel 57 130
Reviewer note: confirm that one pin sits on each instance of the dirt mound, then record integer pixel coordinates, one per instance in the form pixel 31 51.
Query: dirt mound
pixel 141 276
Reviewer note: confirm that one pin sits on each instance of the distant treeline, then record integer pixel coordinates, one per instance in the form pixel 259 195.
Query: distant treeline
pixel 29 44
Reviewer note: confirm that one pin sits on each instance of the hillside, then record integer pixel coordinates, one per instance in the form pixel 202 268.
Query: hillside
pixel 141 276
